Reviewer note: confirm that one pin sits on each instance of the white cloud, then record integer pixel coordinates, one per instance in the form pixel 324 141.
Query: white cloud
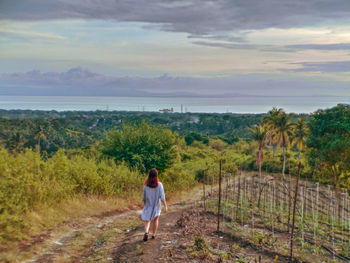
pixel 31 34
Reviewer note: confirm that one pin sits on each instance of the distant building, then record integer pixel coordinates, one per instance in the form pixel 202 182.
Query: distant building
pixel 167 110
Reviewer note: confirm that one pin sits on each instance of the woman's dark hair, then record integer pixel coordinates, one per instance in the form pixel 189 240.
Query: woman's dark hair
pixel 152 178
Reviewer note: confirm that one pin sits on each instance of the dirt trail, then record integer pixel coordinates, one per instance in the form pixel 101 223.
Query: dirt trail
pixel 131 248
pixel 176 242
pixel 76 241
pixel 56 244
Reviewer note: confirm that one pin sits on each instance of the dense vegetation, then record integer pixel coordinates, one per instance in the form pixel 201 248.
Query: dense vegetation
pixel 47 157
pixel 80 129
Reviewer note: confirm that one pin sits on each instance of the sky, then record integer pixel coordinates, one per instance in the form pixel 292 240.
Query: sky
pixel 175 47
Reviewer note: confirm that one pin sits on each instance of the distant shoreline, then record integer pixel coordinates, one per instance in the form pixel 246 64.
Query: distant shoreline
pixel 239 104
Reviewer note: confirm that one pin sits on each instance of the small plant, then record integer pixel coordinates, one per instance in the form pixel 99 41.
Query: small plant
pixel 201 245
pixel 260 238
pixel 236 248
pixel 139 249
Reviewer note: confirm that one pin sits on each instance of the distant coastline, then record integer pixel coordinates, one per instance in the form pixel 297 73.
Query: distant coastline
pixel 204 104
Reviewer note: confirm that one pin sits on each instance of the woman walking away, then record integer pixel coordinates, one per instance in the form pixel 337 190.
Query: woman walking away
pixel 153 196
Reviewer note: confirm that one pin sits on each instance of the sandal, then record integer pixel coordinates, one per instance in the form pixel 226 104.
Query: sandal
pixel 153 237
pixel 145 237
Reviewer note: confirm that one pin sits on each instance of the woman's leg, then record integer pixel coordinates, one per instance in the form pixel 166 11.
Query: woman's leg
pixel 155 225
pixel 147 225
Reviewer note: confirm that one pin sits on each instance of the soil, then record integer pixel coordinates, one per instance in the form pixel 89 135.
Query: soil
pixel 176 242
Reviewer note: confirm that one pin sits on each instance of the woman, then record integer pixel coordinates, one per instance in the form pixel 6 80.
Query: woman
pixel 153 196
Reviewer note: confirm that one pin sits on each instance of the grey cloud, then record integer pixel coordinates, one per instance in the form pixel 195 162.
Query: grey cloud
pixel 332 67
pixel 219 37
pixel 264 48
pixel 196 17
pixel 225 45
pixel 339 46
pixel 82 82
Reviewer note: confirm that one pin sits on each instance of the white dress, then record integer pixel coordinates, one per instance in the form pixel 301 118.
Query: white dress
pixel 152 198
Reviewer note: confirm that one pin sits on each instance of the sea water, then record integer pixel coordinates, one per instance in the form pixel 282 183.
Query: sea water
pixel 239 104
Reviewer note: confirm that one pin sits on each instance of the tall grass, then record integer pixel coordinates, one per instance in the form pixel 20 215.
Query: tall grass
pixel 27 181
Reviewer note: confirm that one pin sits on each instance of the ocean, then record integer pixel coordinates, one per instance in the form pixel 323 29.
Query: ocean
pixel 239 104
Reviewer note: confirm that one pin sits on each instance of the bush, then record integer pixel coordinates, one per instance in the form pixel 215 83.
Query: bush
pixel 142 147
pixel 26 181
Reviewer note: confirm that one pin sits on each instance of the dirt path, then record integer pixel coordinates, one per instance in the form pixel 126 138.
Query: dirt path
pixel 189 235
pixel 83 240
pixel 131 248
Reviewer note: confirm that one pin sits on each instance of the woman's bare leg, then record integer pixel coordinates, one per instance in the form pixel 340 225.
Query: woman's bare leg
pixel 155 225
pixel 147 225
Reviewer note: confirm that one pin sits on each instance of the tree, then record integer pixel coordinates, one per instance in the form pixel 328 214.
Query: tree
pixel 40 135
pixel 300 135
pixel 270 120
pixel 281 132
pixel 142 147
pixel 329 143
pixel 299 139
pixel 260 134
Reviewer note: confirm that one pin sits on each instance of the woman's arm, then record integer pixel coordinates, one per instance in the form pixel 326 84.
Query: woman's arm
pixel 162 198
pixel 165 206
pixel 144 196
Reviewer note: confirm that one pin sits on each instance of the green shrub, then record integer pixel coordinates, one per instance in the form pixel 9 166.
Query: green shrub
pixel 142 147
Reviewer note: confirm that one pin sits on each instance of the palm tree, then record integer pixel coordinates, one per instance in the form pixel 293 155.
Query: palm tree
pixel 300 135
pixel 282 131
pixel 260 134
pixel 270 121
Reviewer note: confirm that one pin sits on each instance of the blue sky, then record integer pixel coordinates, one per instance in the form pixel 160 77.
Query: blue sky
pixel 265 47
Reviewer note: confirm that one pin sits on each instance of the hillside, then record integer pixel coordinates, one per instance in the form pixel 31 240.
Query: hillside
pixel 188 233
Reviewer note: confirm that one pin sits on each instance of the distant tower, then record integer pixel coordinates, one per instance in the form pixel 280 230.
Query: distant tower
pixel 107 108
pixel 182 108
pixel 143 108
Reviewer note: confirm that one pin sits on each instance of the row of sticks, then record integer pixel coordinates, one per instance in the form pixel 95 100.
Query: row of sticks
pixel 322 217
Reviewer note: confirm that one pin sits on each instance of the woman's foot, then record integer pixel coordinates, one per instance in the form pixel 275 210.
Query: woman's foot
pixel 153 237
pixel 145 237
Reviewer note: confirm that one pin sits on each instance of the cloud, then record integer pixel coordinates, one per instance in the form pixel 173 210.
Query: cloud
pixel 225 45
pixel 82 82
pixel 332 67
pixel 220 37
pixel 196 17
pixel 264 48
pixel 30 34
pixel 339 46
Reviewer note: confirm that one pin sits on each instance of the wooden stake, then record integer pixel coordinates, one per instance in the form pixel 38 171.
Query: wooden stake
pixel 294 208
pixel 205 209
pixel 219 203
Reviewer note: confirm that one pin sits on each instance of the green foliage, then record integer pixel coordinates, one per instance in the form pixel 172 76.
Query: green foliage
pixel 201 245
pixel 193 136
pixel 20 129
pixel 230 137
pixel 26 181
pixel 329 141
pixel 142 147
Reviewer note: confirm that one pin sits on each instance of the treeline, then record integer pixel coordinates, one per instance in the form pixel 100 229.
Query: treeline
pixel 52 130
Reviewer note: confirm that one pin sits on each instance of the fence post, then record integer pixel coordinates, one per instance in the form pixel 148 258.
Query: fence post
pixel 205 209
pixel 294 209
pixel 219 203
